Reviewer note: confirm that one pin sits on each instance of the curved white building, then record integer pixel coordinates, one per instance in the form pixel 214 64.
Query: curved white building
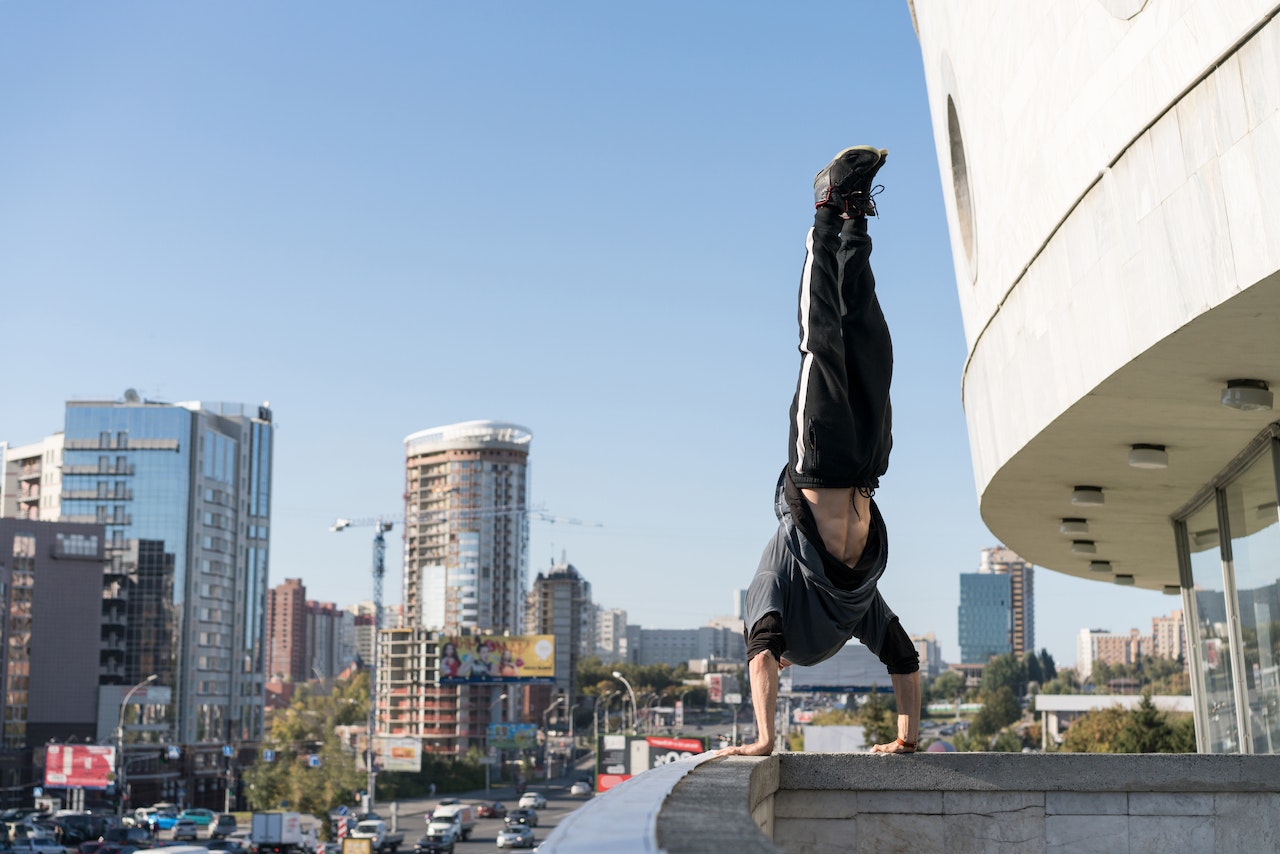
pixel 466 544
pixel 1111 170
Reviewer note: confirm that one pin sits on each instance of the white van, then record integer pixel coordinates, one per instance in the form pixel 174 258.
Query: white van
pixel 463 816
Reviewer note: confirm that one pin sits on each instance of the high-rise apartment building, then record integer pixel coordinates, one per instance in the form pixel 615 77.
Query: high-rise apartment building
pixel 330 639
pixel 286 621
pixel 1169 636
pixel 1095 646
pixel 611 635
pixel 183 492
pixel 997 603
pixel 31 479
pixel 930 654
pixel 466 505
pixel 559 604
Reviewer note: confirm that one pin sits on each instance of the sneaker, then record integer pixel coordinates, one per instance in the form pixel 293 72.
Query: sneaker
pixel 845 183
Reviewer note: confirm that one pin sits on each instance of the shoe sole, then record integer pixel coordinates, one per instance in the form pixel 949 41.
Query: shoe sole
pixel 881 153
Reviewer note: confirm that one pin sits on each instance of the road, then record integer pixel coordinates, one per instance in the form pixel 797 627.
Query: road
pixel 484 836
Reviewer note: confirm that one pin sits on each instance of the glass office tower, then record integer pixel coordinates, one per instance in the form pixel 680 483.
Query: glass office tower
pixel 183 491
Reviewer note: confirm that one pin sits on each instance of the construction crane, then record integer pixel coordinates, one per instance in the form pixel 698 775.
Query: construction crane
pixel 383 524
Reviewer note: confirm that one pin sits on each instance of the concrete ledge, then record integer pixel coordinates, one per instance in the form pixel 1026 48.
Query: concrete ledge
pixel 726 806
pixel 811 803
pixel 1044 772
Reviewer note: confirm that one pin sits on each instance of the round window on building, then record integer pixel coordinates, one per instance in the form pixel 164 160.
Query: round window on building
pixel 960 180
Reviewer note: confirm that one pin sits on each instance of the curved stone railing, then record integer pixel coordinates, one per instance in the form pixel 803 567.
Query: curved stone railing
pixel 956 802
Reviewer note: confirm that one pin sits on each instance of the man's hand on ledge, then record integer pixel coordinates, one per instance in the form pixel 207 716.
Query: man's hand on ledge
pixel 759 748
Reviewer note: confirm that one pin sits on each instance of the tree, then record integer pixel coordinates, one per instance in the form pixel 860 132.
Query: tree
pixel 1095 732
pixel 302 730
pixel 1032 666
pixel 877 720
pixel 946 686
pixel 1005 671
pixel 1145 730
pixel 1047 666
pixel 999 709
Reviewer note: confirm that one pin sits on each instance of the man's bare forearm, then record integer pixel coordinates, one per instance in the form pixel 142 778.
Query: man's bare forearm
pixel 764 697
pixel 906 690
pixel 763 670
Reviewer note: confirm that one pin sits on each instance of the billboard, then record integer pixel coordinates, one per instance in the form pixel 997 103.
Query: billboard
pixel 79 766
pixel 398 754
pixel 472 659
pixel 620 757
pixel 391 753
pixel 513 736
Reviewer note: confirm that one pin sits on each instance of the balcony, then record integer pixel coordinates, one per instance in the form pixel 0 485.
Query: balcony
pixel 935 802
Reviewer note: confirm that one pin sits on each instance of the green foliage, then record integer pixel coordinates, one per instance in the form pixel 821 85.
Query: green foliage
pixel 307 727
pixel 1142 730
pixel 1169 674
pixel 1145 730
pixel 944 688
pixel 1031 665
pixel 1065 682
pixel 1004 671
pixel 447 775
pixel 1095 732
pixel 1047 666
pixel 877 719
pixel 999 709
pixel 1007 741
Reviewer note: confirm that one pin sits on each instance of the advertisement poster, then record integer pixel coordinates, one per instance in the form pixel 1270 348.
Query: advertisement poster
pixel 513 736
pixel 620 757
pixel 79 766
pixel 479 659
pixel 399 754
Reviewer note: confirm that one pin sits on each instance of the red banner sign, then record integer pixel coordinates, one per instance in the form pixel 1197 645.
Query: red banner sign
pixel 79 766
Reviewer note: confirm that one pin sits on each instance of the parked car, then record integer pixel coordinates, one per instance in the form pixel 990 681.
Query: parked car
pixel 523 816
pixel 126 836
pixel 437 842
pixel 516 836
pixel 164 819
pixel 533 800
pixel 185 828
pixel 202 817
pixel 34 843
pixel 223 826
pixel 491 809
pixel 90 847
pixel 580 789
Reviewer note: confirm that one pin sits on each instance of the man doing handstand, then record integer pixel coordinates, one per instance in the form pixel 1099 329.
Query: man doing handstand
pixel 816 584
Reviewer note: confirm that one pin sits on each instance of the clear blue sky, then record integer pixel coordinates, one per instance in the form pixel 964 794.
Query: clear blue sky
pixel 586 218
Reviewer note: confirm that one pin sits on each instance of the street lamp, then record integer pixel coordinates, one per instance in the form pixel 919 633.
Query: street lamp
pixel 595 718
pixel 120 763
pixel 546 747
pixel 618 675
pixel 488 764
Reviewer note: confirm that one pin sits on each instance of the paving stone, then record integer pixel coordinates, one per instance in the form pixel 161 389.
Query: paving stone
pixel 1086 834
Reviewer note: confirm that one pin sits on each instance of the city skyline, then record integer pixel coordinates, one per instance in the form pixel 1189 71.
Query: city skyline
pixel 313 206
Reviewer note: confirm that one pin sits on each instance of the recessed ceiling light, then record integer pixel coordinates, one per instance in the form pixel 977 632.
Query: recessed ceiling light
pixel 1172 590
pixel 1100 566
pixel 1126 580
pixel 1088 496
pixel 1148 457
pixel 1247 395
pixel 1083 547
pixel 1074 526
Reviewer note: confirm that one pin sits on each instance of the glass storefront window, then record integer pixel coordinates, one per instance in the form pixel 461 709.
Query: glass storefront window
pixel 1211 629
pixel 1255 547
